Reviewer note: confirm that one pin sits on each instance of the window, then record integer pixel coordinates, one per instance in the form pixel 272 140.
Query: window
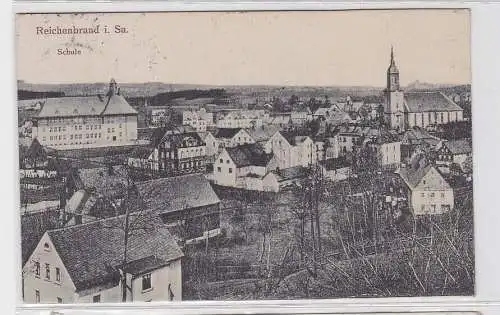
pixel 37 296
pixel 59 300
pixel 227 161
pixel 47 271
pixel 96 298
pixel 433 208
pixel 432 195
pixel 37 269
pixel 219 169
pixel 442 195
pixel 230 170
pixel 146 282
pixel 422 208
pixel 58 274
pixel 422 195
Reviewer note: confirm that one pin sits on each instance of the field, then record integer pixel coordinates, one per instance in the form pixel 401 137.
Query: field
pixel 267 251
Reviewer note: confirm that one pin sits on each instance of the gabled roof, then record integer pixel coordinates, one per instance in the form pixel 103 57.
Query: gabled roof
pixel 86 106
pixel 429 102
pixel 227 133
pixel 294 139
pixel 412 176
pixel 33 226
pixel 462 146
pixel 249 154
pixel 93 252
pixel 175 134
pixel 172 194
pixel 263 133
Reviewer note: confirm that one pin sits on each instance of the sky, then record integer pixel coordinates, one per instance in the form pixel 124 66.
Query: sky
pixel 313 48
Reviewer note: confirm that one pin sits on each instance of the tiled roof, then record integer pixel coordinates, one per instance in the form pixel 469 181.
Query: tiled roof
pixel 249 154
pixel 93 252
pixel 413 176
pixel 36 150
pixel 374 99
pixel 172 194
pixel 429 102
pixel 86 106
pixel 174 134
pixel 33 226
pixel 263 133
pixel 462 146
pixel 227 133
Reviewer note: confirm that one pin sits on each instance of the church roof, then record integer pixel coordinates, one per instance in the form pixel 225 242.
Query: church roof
pixel 429 102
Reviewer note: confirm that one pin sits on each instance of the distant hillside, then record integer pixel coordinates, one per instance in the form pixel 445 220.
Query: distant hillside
pixel 446 88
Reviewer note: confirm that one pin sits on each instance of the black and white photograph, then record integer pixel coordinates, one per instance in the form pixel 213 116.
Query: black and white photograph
pixel 257 155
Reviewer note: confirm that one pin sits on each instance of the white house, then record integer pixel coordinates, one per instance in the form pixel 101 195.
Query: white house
pixel 241 119
pixel 232 137
pixel 428 191
pixel 240 166
pixel 198 119
pixel 211 145
pixel 85 263
pixel 86 121
pixel 291 150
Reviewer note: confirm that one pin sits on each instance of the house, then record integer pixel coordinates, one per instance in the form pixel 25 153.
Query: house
pixel 263 134
pixel 280 179
pixel 211 145
pixel 232 137
pixel 291 150
pixel 241 118
pixel 405 110
pixel 336 169
pixel 350 137
pixel 386 146
pixel 187 203
pixel 85 263
pixel 86 121
pixel 454 151
pixel 242 166
pixel 174 151
pixel 198 119
pixel 416 140
pixel 428 190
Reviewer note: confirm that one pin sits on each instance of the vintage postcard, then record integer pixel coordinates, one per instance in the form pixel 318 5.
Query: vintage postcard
pixel 176 156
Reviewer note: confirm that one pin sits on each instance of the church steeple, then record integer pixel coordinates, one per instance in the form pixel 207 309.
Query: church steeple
pixel 392 74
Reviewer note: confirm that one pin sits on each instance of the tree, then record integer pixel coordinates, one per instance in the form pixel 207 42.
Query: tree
pixel 467 166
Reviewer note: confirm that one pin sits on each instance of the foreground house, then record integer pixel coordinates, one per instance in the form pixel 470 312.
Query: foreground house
pixel 186 203
pixel 428 191
pixel 86 121
pixel 84 263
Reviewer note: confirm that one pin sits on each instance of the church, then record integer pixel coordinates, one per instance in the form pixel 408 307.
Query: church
pixel 405 110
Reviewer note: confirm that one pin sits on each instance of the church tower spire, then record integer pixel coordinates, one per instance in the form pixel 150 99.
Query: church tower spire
pixel 392 74
pixel 394 106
